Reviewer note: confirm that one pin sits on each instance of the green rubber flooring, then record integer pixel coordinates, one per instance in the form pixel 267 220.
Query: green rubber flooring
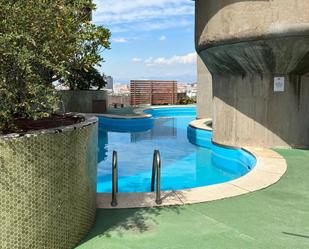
pixel 274 218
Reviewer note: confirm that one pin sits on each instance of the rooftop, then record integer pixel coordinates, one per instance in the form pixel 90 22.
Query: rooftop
pixel 276 217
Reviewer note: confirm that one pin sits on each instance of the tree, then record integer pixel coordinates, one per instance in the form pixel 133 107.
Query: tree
pixel 40 41
pixel 84 79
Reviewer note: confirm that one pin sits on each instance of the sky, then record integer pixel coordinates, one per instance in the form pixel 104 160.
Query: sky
pixel 151 39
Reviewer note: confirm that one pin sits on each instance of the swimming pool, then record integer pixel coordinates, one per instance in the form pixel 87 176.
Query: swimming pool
pixel 189 159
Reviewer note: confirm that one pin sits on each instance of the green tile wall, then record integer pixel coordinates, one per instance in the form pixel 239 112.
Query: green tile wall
pixel 47 188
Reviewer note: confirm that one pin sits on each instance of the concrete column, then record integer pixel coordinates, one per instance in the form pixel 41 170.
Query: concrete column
pixel 245 45
pixel 204 90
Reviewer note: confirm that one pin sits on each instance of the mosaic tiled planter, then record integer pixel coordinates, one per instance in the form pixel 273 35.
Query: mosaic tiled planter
pixel 48 186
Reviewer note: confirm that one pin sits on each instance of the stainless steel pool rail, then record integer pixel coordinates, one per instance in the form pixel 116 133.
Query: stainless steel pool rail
pixel 156 174
pixel 114 179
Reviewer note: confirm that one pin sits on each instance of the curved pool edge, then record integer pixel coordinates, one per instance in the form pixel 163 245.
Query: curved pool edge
pixel 202 124
pixel 199 133
pixel 269 169
pixel 142 119
pixel 139 113
pixel 117 116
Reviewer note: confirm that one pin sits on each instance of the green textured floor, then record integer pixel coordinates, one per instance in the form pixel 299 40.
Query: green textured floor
pixel 277 217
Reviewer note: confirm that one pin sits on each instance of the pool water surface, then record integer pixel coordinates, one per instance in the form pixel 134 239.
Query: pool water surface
pixel 184 165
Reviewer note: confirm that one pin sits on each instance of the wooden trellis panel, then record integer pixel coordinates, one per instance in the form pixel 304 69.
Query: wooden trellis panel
pixel 153 92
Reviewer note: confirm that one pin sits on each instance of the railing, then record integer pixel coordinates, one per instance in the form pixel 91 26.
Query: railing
pixel 156 174
pixel 114 180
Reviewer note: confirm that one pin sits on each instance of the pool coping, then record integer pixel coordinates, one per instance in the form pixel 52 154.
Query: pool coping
pixel 117 116
pixel 139 112
pixel 201 124
pixel 269 169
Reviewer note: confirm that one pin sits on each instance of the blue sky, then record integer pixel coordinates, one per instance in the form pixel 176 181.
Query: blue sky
pixel 151 39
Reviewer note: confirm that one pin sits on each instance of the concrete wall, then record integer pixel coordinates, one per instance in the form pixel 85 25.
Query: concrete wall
pixel 227 21
pixel 81 101
pixel 48 187
pixel 114 99
pixel 245 44
pixel 204 91
pixel 251 113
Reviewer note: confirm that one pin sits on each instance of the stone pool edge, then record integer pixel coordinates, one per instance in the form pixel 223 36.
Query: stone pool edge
pixel 269 169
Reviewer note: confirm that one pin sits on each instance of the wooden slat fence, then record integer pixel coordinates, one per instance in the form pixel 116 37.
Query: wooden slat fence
pixel 153 92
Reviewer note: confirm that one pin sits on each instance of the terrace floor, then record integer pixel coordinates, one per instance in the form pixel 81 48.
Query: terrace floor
pixel 276 217
pixel 122 111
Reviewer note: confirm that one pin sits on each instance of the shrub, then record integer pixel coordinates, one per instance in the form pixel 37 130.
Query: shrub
pixel 187 101
pixel 85 79
pixel 40 42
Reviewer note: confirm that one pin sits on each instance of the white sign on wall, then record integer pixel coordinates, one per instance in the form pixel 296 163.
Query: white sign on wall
pixel 279 84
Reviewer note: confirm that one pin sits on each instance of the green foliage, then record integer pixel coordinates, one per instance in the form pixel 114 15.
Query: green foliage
pixel 187 101
pixel 82 79
pixel 40 42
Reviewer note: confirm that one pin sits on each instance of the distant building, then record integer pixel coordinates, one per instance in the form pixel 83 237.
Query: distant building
pixel 189 89
pixel 153 92
pixel 120 95
pixel 121 89
pixel 110 83
pixel 118 100
pixel 192 90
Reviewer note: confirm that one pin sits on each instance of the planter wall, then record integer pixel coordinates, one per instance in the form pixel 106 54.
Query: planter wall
pixel 48 187
pixel 84 101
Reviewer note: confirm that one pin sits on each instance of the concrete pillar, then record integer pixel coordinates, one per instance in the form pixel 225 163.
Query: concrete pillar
pixel 245 45
pixel 204 90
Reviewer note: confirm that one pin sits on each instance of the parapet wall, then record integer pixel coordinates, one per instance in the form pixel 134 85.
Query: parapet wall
pixel 245 45
pixel 48 187
pixel 83 101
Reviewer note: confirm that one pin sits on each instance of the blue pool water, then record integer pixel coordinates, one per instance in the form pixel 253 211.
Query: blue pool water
pixel 189 159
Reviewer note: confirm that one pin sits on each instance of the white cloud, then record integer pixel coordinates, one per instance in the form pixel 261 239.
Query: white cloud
pixel 153 25
pixel 111 11
pixel 130 12
pixel 189 58
pixel 162 38
pixel 120 40
pixel 136 60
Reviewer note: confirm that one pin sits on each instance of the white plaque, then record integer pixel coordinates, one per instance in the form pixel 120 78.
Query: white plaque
pixel 279 84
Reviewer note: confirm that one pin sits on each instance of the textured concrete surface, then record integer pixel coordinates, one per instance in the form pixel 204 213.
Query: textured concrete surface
pixel 204 91
pixel 122 111
pixel 221 22
pixel 82 101
pixel 276 217
pixel 249 112
pixel 48 187
pixel 245 44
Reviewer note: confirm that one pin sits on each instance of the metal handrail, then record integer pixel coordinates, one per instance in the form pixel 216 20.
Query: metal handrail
pixel 114 180
pixel 153 175
pixel 156 173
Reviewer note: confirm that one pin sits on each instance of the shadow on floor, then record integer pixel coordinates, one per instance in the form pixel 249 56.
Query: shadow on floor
pixel 297 235
pixel 119 221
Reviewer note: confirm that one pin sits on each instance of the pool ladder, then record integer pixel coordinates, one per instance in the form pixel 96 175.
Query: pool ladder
pixel 156 175
pixel 114 202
